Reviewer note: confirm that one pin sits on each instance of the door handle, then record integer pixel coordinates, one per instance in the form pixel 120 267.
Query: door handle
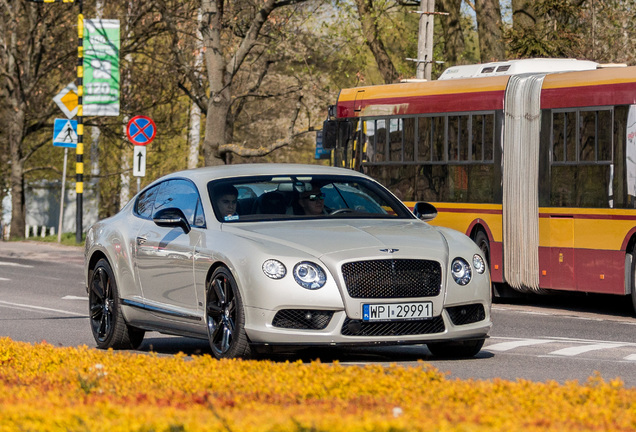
pixel 141 241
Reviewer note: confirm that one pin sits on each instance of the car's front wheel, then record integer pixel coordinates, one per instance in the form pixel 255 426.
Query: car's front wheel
pixel 107 321
pixel 225 317
pixel 456 349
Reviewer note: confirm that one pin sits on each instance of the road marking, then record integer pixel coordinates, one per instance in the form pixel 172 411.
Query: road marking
pixel 505 346
pixel 4 279
pixel 572 351
pixel 40 308
pixel 12 264
pixel 72 297
pixel 631 357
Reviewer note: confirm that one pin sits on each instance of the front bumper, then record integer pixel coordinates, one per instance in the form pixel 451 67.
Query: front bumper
pixel 454 323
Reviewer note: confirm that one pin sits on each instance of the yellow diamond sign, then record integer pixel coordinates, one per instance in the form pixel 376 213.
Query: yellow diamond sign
pixel 67 100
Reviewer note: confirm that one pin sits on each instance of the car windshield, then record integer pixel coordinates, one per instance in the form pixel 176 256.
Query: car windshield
pixel 249 199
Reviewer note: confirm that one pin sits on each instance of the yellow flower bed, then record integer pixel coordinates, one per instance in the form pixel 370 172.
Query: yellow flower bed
pixel 46 388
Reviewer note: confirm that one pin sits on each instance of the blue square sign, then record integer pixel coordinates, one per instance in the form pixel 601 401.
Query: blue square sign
pixel 65 133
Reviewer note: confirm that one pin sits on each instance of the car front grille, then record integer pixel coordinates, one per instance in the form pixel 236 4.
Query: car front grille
pixel 392 278
pixel 467 314
pixel 394 328
pixel 302 319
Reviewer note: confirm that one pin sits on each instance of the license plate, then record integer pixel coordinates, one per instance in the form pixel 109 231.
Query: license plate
pixel 396 311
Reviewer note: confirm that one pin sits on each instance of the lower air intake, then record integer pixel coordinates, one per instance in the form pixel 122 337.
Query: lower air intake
pixel 399 328
pixel 302 319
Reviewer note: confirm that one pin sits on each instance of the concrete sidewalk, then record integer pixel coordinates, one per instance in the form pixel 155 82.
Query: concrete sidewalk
pixel 37 250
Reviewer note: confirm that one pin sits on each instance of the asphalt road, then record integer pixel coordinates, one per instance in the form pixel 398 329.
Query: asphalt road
pixel 560 338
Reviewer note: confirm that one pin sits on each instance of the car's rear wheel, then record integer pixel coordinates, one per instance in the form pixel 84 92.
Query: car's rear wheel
pixel 225 317
pixel 107 321
pixel 456 349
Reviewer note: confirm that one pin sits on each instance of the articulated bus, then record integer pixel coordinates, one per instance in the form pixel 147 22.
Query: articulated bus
pixel 535 161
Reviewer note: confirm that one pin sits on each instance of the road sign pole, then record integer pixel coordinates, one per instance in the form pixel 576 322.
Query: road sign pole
pixel 59 225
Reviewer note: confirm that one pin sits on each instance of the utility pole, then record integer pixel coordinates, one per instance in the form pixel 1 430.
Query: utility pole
pixel 425 40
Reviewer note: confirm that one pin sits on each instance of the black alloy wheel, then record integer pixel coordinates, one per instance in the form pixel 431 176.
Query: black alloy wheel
pixel 225 317
pixel 107 321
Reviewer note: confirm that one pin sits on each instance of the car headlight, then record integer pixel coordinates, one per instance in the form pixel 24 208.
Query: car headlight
pixel 461 272
pixel 309 275
pixel 478 263
pixel 274 269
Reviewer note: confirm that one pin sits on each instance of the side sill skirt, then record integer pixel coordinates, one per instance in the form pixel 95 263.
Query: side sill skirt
pixel 159 310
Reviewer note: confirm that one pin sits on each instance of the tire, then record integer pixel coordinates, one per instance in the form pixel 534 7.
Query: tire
pixel 459 349
pixel 632 278
pixel 225 317
pixel 107 321
pixel 481 239
pixel 482 242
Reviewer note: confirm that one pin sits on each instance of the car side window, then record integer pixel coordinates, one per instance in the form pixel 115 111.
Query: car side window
pixel 183 195
pixel 146 202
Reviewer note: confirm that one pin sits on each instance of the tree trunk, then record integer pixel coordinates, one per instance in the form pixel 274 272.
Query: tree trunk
pixel 452 31
pixel 372 37
pixel 489 28
pixel 220 90
pixel 215 129
pixel 18 205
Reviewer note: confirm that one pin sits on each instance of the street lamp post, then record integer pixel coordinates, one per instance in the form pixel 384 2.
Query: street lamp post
pixel 79 158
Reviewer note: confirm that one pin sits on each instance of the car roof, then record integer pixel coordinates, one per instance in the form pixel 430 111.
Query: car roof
pixel 206 174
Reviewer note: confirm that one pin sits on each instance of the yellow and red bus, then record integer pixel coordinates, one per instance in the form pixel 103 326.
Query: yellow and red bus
pixel 539 168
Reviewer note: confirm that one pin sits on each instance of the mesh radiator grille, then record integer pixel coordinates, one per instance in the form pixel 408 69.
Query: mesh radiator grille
pixel 392 278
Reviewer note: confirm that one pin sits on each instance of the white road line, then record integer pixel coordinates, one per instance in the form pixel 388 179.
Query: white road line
pixel 12 264
pixel 72 297
pixel 572 351
pixel 505 346
pixel 631 357
pixel 4 279
pixel 40 308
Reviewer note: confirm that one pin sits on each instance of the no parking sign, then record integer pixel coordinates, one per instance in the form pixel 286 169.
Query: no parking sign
pixel 141 130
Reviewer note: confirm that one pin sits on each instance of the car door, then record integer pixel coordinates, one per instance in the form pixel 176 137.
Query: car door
pixel 165 255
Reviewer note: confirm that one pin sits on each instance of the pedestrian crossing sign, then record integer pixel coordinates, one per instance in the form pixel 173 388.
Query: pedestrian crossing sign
pixel 65 133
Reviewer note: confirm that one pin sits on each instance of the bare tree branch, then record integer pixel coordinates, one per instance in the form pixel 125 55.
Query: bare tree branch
pixel 241 149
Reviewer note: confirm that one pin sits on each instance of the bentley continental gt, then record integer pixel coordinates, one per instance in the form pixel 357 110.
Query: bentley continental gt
pixel 261 256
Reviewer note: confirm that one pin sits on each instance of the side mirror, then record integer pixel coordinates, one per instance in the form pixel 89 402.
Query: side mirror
pixel 329 134
pixel 425 211
pixel 171 218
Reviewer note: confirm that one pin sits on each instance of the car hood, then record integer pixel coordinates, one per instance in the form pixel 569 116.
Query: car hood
pixel 320 238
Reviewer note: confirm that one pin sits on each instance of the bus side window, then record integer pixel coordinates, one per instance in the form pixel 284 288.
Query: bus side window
pixel 409 139
pixel 424 133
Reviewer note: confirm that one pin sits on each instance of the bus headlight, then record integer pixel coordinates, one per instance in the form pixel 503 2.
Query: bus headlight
pixel 461 272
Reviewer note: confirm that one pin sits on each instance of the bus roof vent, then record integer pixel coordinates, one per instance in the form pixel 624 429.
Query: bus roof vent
pixel 515 67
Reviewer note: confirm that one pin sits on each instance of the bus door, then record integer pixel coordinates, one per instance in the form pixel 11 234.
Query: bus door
pixel 561 252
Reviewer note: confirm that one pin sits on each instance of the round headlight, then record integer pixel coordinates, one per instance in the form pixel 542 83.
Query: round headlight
pixel 274 269
pixel 461 271
pixel 309 275
pixel 478 263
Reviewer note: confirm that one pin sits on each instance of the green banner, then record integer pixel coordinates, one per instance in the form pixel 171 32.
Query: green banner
pixel 101 67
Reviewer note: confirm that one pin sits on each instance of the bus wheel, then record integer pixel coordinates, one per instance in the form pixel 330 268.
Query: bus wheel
pixel 632 278
pixel 481 239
